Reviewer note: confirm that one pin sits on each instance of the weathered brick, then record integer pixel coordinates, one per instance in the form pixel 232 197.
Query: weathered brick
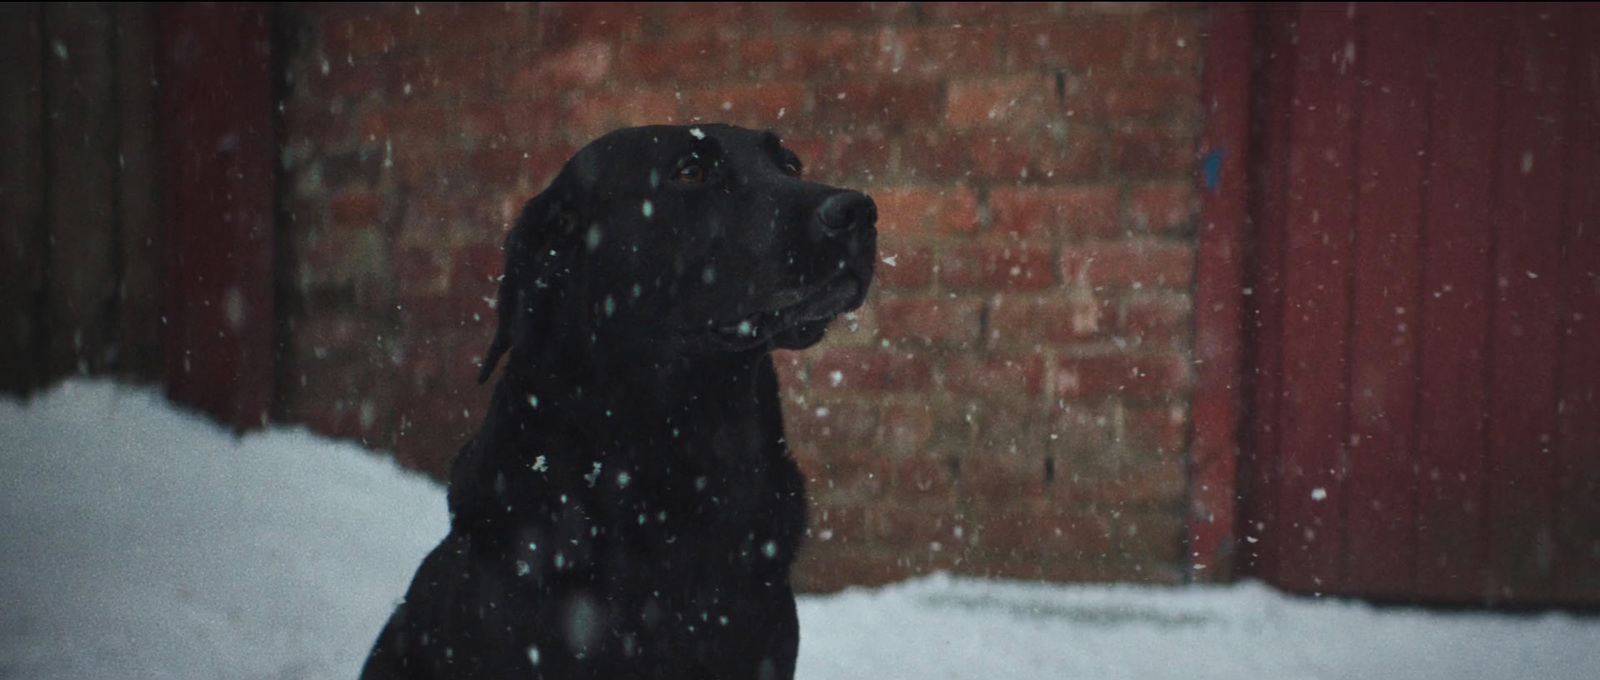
pixel 1107 95
pixel 583 63
pixel 1038 525
pixel 677 60
pixel 833 424
pixel 1158 428
pixel 989 12
pixel 755 106
pixel 995 266
pixel 902 264
pixel 858 157
pixel 1140 150
pixel 936 51
pixel 1023 320
pixel 871 370
pixel 915 211
pixel 930 320
pixel 1137 264
pixel 890 104
pixel 1130 376
pixel 858 13
pixel 591 113
pixel 1021 102
pixel 1165 208
pixel 1054 211
pixel 905 429
pixel 1158 319
pixel 564 22
pixel 1080 44
pixel 996 376
pixel 915 527
pixel 358 209
pixel 1169 39
pixel 1039 158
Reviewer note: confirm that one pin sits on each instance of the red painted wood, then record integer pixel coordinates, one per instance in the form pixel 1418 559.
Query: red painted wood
pixel 1523 347
pixel 217 172
pixel 1455 309
pixel 1219 281
pixel 1272 106
pixel 1577 528
pixel 1316 318
pixel 1379 498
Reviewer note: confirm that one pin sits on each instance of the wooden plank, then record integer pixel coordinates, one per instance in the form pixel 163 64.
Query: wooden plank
pixel 1379 506
pixel 217 175
pixel 1272 109
pixel 1578 450
pixel 1455 306
pixel 80 129
pixel 22 233
pixel 1316 319
pixel 1219 304
pixel 139 228
pixel 1524 341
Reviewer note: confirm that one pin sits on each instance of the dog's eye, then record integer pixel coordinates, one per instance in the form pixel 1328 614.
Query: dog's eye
pixel 791 168
pixel 691 173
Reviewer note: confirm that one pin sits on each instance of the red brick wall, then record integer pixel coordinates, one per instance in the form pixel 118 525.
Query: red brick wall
pixel 1013 401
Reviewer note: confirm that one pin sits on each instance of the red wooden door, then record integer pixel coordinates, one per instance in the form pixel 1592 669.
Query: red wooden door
pixel 1425 299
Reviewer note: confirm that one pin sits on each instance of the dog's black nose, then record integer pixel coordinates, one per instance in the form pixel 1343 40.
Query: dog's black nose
pixel 846 212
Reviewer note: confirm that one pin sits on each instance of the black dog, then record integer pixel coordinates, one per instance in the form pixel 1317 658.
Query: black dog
pixel 629 508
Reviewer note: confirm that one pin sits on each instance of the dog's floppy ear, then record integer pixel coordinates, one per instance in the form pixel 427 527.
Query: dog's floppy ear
pixel 535 252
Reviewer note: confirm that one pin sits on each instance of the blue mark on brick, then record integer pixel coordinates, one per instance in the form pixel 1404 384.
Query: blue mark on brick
pixel 1211 169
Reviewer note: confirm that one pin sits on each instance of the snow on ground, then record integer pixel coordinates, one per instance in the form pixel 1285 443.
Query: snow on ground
pixel 137 540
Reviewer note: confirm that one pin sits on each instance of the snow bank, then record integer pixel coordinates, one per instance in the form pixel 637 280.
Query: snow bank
pixel 140 541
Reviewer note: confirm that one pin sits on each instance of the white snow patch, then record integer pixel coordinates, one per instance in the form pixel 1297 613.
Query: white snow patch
pixel 142 541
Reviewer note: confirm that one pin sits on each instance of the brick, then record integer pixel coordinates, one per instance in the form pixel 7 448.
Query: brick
pixel 1159 428
pixel 992 266
pixel 792 370
pixel 905 429
pixel 360 209
pixel 1151 537
pixel 1139 150
pixel 831 52
pixel 1137 264
pixel 1016 320
pixel 1172 40
pixel 1082 432
pixel 848 13
pixel 828 567
pixel 936 155
pixel 857 157
pixel 912 266
pixel 846 468
pixel 591 113
pixel 999 376
pixel 754 106
pixel 421 310
pixel 930 320
pixel 1081 45
pixel 939 51
pixel 917 211
pixel 1164 208
pixel 564 22
pixel 1042 157
pixel 981 12
pixel 1022 102
pixel 882 104
pixel 915 527
pixel 1141 376
pixel 687 60
pixel 870 370
pixel 1037 525
pixel 340 331
pixel 1158 320
pixel 437 28
pixel 1054 211
pixel 583 63
pixel 417 124
pixel 924 474
pixel 341 395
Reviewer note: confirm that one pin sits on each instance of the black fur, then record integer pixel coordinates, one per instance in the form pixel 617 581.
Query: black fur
pixel 629 508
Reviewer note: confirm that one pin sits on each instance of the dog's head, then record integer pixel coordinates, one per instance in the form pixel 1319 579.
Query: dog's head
pixel 684 239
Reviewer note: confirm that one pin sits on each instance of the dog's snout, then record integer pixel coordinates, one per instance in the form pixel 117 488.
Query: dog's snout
pixel 846 212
